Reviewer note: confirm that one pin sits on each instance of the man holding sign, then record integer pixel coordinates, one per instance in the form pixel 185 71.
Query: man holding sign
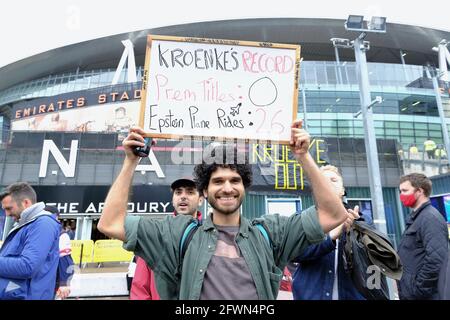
pixel 228 257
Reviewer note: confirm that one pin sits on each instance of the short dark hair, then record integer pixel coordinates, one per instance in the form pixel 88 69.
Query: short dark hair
pixel 19 191
pixel 53 210
pixel 418 180
pixel 183 182
pixel 203 171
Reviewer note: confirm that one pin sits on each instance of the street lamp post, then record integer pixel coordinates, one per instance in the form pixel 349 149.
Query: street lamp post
pixel 378 25
pixel 370 140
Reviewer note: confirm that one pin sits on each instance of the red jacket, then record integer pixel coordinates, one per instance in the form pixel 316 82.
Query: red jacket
pixel 143 286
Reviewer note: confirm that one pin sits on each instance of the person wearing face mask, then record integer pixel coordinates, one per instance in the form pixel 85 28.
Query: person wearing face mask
pixel 320 274
pixel 423 248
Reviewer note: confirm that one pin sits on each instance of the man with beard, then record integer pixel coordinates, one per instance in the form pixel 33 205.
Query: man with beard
pixel 30 254
pixel 186 200
pixel 228 257
pixel 423 247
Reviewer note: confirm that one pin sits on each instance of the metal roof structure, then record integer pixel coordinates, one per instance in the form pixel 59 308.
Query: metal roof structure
pixel 312 34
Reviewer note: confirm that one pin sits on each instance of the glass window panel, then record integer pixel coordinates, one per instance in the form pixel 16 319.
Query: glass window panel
pixel 329 123
pixel 357 123
pixel 419 125
pixel 345 123
pixel 392 137
pixel 345 131
pixel 321 73
pixel 351 73
pixel 435 134
pixel 421 133
pixel 434 126
pixel 408 140
pixel 392 132
pixel 379 132
pixel 331 74
pixel 329 131
pixel 313 123
pixel 406 132
pixel 379 124
pixel 314 130
pixel 359 131
pixel 406 125
pixel 391 124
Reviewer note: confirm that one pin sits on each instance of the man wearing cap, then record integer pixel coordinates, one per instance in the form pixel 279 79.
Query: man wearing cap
pixel 186 200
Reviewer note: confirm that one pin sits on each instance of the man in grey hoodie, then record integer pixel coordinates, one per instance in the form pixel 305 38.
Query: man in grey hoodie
pixel 30 254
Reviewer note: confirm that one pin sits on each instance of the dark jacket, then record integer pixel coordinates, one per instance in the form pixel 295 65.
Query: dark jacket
pixel 314 277
pixel 423 250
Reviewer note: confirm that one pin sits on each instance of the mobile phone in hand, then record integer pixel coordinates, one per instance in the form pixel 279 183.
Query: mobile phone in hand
pixel 144 150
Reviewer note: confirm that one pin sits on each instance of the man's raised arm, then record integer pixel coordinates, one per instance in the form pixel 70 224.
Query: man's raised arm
pixel 330 210
pixel 112 220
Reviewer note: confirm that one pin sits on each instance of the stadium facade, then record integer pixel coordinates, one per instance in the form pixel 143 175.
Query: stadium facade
pixel 64 112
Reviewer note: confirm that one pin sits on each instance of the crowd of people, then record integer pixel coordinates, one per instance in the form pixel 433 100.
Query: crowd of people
pixel 224 255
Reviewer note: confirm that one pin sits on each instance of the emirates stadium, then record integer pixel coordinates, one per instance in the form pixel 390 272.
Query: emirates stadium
pixel 64 113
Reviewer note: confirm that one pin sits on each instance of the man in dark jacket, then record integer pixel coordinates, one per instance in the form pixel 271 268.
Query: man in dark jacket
pixel 29 255
pixel 320 274
pixel 423 248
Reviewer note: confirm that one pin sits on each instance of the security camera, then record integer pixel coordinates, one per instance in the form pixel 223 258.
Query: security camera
pixel 365 46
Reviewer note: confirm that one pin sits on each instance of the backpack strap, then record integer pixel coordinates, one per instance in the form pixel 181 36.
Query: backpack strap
pixel 188 234
pixel 265 233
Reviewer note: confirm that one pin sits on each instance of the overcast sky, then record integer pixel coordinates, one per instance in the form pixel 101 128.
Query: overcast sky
pixel 29 27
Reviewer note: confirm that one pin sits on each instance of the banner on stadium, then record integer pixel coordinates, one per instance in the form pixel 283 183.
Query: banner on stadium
pixel 107 109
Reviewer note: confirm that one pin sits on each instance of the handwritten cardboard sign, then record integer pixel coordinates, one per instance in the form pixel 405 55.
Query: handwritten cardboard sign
pixel 219 88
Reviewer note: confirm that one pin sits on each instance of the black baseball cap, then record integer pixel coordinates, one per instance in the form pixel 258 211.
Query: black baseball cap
pixel 53 210
pixel 183 182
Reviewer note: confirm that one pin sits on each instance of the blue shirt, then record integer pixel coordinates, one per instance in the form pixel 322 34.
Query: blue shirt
pixel 314 277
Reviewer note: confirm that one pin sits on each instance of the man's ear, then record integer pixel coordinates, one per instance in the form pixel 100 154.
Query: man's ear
pixel 26 203
pixel 200 200
pixel 205 194
pixel 421 191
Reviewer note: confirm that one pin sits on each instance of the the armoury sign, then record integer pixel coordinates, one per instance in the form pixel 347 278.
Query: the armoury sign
pixel 90 199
